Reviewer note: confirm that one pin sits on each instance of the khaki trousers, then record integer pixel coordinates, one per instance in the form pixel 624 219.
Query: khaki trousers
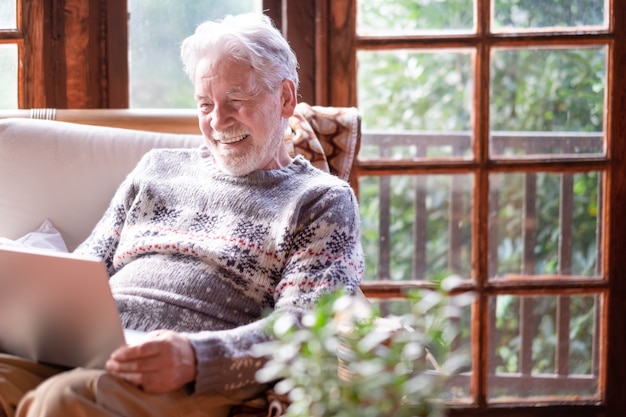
pixel 29 389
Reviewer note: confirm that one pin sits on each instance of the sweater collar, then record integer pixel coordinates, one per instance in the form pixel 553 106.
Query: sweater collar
pixel 298 165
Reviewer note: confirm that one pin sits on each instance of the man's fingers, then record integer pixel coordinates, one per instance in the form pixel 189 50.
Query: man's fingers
pixel 164 362
pixel 141 364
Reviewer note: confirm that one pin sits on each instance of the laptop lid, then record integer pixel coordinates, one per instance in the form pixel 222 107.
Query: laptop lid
pixel 57 308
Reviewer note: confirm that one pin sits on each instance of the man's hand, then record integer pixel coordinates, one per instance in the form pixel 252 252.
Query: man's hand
pixel 163 362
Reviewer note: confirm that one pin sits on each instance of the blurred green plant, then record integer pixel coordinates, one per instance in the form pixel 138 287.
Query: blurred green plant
pixel 344 360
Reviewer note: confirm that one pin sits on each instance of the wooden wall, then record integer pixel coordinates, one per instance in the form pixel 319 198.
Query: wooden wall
pixel 74 53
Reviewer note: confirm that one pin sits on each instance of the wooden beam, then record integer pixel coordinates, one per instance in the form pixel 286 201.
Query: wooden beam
pixel 612 216
pixel 114 45
pixel 299 29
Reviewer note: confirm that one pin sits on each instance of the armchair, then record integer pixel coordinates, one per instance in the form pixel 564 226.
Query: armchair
pixel 66 167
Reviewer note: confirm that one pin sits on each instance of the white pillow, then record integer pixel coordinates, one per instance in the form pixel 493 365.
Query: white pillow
pixel 45 237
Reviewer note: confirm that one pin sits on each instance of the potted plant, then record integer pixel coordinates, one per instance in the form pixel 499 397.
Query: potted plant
pixel 343 359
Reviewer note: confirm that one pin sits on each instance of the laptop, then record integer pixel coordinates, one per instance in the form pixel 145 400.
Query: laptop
pixel 57 308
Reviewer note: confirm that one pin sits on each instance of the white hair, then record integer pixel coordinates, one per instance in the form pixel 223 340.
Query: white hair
pixel 249 38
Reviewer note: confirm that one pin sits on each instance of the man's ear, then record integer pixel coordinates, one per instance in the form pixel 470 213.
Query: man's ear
pixel 288 97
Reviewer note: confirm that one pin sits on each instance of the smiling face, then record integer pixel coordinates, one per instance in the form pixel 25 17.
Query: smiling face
pixel 242 121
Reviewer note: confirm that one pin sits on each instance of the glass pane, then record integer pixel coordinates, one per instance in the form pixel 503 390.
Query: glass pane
pixel 544 223
pixel 8 14
pixel 416 227
pixel 543 346
pixel 8 76
pixel 156 30
pixel 415 104
pixel 556 14
pixel 548 101
pixel 403 17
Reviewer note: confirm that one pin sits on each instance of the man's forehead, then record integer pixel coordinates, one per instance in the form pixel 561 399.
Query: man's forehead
pixel 226 79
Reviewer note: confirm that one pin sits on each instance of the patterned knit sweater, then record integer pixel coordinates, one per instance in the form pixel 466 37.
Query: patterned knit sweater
pixel 191 249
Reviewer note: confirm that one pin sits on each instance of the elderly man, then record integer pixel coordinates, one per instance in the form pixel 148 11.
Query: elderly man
pixel 204 245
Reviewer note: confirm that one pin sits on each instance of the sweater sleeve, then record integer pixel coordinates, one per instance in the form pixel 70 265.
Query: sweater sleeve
pixel 324 255
pixel 225 358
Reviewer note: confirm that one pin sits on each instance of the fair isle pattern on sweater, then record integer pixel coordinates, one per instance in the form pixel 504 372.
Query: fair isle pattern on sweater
pixel 191 249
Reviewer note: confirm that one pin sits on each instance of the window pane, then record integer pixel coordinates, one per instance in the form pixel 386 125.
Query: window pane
pixel 156 30
pixel 8 14
pixel 402 17
pixel 544 223
pixel 559 14
pixel 416 227
pixel 8 76
pixel 543 346
pixel 548 101
pixel 415 104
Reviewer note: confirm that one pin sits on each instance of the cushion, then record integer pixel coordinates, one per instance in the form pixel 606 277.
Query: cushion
pixel 46 237
pixel 338 132
pixel 66 172
pixel 304 141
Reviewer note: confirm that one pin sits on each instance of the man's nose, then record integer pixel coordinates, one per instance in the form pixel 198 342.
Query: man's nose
pixel 220 118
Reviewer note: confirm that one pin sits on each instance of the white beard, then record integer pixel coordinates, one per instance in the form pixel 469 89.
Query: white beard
pixel 253 158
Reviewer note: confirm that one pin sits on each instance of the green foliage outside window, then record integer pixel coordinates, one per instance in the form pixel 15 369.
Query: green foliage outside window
pixel 549 91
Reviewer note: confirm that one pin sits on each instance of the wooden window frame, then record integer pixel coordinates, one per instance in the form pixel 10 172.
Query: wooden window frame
pixel 16 37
